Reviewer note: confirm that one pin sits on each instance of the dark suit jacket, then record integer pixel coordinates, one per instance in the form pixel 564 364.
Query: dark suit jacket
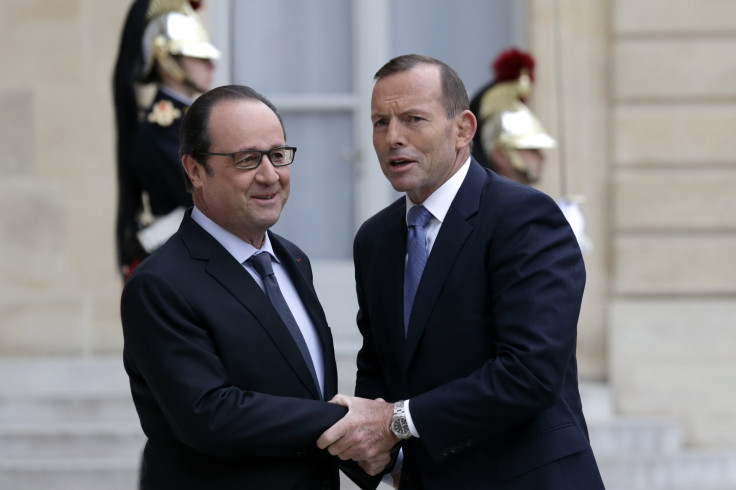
pixel 489 362
pixel 221 389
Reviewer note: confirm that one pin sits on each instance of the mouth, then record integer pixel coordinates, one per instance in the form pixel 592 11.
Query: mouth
pixel 399 162
pixel 265 197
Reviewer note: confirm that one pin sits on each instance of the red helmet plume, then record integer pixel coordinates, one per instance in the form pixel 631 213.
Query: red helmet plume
pixel 509 64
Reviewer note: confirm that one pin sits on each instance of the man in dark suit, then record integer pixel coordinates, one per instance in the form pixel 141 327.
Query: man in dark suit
pixel 227 348
pixel 479 370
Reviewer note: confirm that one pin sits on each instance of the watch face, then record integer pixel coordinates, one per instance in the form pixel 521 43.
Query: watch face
pixel 400 427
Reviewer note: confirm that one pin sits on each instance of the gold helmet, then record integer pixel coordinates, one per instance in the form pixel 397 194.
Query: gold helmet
pixel 505 121
pixel 174 28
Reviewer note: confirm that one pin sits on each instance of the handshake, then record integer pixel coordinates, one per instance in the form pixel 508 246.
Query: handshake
pixel 362 434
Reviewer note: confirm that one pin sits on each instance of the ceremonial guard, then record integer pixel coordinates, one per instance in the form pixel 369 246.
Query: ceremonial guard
pixel 510 139
pixel 165 61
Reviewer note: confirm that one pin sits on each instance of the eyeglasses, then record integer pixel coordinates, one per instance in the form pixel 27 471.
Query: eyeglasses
pixel 280 156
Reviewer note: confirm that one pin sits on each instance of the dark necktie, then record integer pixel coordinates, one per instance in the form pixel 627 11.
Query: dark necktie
pixel 417 251
pixel 261 262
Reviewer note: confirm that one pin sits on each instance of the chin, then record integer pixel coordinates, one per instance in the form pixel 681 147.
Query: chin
pixel 401 183
pixel 269 221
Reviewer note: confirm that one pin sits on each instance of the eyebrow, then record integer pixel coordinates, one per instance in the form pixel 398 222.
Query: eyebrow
pixel 411 110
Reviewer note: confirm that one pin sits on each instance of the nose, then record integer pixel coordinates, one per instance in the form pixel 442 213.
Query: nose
pixel 394 133
pixel 266 172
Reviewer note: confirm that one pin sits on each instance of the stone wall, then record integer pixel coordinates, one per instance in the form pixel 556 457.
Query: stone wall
pixel 650 107
pixel 58 283
pixel 673 175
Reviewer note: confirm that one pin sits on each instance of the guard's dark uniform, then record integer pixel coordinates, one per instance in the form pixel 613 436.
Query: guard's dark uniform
pixel 154 168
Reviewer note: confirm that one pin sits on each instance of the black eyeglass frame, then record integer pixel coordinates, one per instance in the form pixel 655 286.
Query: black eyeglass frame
pixel 260 156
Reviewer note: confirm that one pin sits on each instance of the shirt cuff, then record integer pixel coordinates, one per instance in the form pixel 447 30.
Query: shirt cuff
pixel 388 478
pixel 409 421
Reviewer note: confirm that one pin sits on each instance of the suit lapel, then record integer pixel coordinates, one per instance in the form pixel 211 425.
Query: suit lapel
pixel 239 283
pixel 453 233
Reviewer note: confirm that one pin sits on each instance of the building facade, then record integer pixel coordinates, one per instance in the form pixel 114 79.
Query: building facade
pixel 639 93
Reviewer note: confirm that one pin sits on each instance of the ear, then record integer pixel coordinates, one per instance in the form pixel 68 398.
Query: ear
pixel 466 125
pixel 193 170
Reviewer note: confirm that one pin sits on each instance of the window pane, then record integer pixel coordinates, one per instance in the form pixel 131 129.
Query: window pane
pixel 319 214
pixel 293 47
pixel 465 34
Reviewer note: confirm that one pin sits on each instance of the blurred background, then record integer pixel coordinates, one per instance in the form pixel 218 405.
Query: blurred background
pixel 640 95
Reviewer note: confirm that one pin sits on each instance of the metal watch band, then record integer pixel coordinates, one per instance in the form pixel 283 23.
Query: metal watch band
pixel 399 409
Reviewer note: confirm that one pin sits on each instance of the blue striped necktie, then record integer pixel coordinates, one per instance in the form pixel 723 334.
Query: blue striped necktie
pixel 417 257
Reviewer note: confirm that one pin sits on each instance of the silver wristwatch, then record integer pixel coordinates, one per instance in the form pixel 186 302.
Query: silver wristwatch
pixel 399 426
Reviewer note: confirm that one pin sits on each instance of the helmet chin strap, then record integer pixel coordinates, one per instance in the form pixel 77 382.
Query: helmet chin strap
pixel 173 68
pixel 189 83
pixel 518 164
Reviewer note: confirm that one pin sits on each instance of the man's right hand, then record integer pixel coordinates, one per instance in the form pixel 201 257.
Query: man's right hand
pixel 362 434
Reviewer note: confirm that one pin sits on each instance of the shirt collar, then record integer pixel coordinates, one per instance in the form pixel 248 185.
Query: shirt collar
pixel 438 203
pixel 237 247
pixel 176 95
